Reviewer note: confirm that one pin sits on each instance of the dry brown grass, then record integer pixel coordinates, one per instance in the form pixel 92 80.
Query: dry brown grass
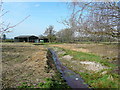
pixel 98 49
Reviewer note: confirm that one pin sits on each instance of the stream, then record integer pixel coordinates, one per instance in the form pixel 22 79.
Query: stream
pixel 72 79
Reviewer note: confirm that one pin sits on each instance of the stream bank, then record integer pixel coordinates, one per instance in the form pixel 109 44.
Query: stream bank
pixel 72 79
pixel 94 70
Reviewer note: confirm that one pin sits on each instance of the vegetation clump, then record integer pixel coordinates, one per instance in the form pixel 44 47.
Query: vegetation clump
pixel 49 83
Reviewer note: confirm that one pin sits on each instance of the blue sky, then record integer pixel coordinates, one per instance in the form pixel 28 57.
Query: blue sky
pixel 42 14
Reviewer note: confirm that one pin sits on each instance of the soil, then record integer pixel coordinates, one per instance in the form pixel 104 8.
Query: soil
pixel 23 63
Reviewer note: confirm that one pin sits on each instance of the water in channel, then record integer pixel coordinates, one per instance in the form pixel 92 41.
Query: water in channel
pixel 72 79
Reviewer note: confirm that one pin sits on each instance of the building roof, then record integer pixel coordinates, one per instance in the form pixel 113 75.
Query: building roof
pixel 25 36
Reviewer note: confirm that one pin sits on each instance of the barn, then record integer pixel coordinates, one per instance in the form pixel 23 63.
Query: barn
pixel 43 39
pixel 26 38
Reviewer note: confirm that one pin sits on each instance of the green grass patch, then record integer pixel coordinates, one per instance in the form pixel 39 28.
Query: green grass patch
pixel 55 82
pixel 97 80
pixel 25 85
pixel 89 57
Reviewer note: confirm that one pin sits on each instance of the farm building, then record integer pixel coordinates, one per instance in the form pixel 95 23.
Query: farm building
pixel 43 39
pixel 30 38
pixel 26 38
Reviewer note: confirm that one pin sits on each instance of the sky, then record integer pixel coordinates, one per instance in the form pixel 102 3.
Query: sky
pixel 42 14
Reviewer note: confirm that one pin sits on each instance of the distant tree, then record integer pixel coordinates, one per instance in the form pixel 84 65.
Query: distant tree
pixel 50 32
pixel 4 37
pixel 65 35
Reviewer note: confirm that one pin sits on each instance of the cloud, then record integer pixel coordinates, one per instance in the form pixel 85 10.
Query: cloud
pixel 37 5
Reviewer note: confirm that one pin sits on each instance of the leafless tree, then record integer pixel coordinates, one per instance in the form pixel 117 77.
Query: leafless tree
pixel 5 27
pixel 96 18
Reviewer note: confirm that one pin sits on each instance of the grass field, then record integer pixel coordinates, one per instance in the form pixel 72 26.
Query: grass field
pixel 106 55
pixel 24 64
pixel 105 50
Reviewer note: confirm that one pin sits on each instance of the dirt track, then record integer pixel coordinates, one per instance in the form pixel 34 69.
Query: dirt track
pixel 23 63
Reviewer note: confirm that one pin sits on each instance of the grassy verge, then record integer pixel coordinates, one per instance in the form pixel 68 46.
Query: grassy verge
pixel 89 57
pixel 94 79
pixel 97 80
pixel 55 82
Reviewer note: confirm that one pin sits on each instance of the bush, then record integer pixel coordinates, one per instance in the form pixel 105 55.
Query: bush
pixel 8 40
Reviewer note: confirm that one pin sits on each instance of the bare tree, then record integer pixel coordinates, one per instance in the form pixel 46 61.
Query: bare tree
pixel 5 27
pixel 95 18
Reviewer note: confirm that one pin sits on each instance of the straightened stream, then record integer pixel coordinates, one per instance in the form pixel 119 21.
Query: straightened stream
pixel 72 79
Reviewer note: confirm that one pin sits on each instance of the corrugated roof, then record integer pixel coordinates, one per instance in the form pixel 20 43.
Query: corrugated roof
pixel 25 36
